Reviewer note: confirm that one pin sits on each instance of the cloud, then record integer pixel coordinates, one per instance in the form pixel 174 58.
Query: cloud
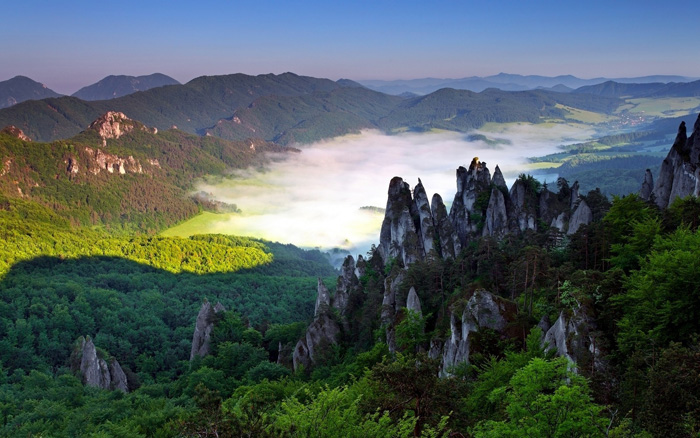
pixel 314 199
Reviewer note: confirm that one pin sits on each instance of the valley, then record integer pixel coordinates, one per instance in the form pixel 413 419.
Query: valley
pixel 216 258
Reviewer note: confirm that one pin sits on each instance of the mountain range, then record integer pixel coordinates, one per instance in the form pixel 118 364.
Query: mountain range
pixel 506 82
pixel 288 108
pixel 20 88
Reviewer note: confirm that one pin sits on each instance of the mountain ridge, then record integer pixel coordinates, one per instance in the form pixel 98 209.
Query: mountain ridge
pixel 114 86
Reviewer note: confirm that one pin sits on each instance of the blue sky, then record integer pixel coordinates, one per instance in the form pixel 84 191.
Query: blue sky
pixel 70 44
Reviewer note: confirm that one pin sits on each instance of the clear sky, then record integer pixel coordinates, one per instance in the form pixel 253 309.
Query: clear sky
pixel 69 44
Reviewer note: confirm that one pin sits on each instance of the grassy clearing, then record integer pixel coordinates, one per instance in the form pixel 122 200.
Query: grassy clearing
pixel 585 116
pixel 203 223
pixel 663 107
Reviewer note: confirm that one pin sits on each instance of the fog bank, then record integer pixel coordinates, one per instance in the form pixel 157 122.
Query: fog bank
pixel 314 198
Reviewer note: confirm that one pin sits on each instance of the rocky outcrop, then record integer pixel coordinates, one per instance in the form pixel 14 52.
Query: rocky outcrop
pixel 470 185
pixel 581 216
pixel 425 218
pixel 394 299
pixel 483 310
pixel 347 281
pixel 323 332
pixel 523 206
pixel 399 240
pixel 101 161
pixel 496 221
pixel 15 132
pixel 571 336
pixel 498 179
pixel 680 171
pixel 647 186
pixel 206 318
pixel 450 246
pixel 323 299
pixel 113 125
pixel 95 370
pixel 413 302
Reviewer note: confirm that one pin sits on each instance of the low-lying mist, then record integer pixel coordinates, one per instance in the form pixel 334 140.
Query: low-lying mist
pixel 315 198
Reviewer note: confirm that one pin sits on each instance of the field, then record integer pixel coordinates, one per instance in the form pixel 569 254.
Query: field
pixel 662 107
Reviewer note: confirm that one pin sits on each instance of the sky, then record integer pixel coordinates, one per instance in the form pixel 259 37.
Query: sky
pixel 70 44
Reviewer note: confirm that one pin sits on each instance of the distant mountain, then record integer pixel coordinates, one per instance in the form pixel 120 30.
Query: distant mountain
pixel 112 87
pixel 344 110
pixel 192 107
pixel 658 89
pixel 502 81
pixel 20 89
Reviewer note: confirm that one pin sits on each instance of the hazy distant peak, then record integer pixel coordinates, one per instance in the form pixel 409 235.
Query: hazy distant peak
pixel 22 88
pixel 114 86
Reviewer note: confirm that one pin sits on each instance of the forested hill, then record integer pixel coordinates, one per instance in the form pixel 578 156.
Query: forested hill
pixel 120 173
pixel 288 108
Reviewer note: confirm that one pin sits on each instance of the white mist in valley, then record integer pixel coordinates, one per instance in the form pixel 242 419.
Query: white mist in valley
pixel 315 199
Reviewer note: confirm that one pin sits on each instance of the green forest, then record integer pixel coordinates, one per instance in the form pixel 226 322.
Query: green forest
pixel 137 297
pixel 81 262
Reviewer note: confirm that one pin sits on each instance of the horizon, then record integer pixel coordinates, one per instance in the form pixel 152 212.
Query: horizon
pixel 69 48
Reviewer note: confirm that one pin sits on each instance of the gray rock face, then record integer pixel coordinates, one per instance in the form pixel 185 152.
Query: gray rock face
pixel 203 328
pixel 581 216
pixel 360 266
pixel 413 302
pixel 393 300
pixel 524 206
pixel 399 238
pixel 483 310
pixel 574 195
pixel 571 337
pixel 647 186
pixel 496 223
pixel 470 184
pixel 323 331
pixel 498 179
pixel 680 170
pixel 95 370
pixel 119 381
pixel 450 246
pixel 347 281
pixel 323 299
pixel 425 218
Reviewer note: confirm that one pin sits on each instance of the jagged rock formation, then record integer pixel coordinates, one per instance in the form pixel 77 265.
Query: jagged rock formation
pixel 496 223
pixel 414 230
pixel 482 207
pixel 647 186
pixel 203 327
pixel 483 310
pixel 113 125
pixel 95 370
pixel 394 300
pixel 413 302
pixel 347 281
pixel 445 233
pixel 581 216
pixel 571 336
pixel 15 132
pixel 323 331
pixel 471 184
pixel 323 299
pixel 425 218
pixel 399 238
pixel 680 171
